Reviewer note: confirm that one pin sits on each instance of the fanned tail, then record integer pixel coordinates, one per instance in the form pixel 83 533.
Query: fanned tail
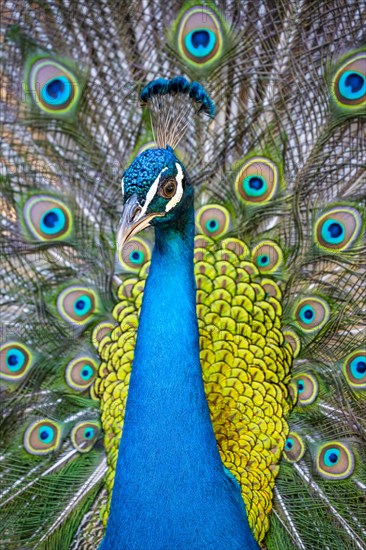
pixel 284 161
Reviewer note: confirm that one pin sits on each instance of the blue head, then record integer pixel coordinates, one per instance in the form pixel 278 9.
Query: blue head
pixel 155 187
pixel 156 190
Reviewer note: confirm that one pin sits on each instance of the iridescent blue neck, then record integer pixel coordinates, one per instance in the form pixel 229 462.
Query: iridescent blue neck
pixel 170 489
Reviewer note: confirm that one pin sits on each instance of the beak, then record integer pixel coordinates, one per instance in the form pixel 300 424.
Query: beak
pixel 133 220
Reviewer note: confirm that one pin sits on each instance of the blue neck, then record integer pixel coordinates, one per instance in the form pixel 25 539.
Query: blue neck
pixel 170 489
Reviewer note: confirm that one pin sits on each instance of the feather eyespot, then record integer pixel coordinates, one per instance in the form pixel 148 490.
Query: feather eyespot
pixel 267 256
pixel 355 369
pixel 311 314
pixel 294 448
pixel 77 305
pixel 54 88
pixel 307 388
pixel 134 254
pixel 42 437
pixel 199 36
pixel 80 373
pixel 84 436
pixel 47 218
pixel 15 361
pixel 338 228
pixel 212 220
pixel 349 84
pixel 257 180
pixel 334 460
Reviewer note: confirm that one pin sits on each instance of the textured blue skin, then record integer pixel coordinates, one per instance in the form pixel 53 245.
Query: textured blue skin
pixel 171 490
pixel 139 177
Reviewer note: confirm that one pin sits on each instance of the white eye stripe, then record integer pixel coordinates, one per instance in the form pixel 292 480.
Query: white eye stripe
pixel 123 186
pixel 152 192
pixel 179 192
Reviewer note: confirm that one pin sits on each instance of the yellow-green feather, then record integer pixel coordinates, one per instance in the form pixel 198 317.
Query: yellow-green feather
pixel 245 365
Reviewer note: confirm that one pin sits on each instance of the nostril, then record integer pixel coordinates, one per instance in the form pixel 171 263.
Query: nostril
pixel 135 213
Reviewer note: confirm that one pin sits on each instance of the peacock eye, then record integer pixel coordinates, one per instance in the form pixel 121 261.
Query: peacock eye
pixel 84 436
pixel 212 220
pixel 257 181
pixel 135 253
pixel 267 256
pixel 312 313
pixel 47 218
pixel 42 437
pixel 294 448
pixel 355 369
pixel 15 361
pixel 77 304
pixel 168 189
pixel 349 84
pixel 80 373
pixel 338 228
pixel 334 460
pixel 54 88
pixel 200 36
pixel 307 388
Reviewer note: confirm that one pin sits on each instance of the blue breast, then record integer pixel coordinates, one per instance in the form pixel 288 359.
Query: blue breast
pixel 171 490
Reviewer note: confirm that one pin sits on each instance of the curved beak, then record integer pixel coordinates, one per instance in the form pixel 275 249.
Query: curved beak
pixel 133 220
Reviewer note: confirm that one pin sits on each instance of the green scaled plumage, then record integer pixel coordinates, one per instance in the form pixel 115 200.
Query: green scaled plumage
pixel 282 168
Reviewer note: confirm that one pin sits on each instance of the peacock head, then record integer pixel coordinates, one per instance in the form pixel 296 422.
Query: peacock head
pixel 155 187
pixel 156 190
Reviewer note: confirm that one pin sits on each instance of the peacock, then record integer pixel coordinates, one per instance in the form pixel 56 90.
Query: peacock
pixel 182 355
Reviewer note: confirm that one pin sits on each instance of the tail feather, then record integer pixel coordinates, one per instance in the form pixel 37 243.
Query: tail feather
pixel 274 82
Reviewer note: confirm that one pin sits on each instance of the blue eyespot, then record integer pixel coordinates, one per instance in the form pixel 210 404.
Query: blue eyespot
pixel 89 432
pixel 300 386
pixel 331 457
pixel 358 367
pixel 333 231
pixel 77 304
pixel 200 42
pixel 289 444
pixel 255 183
pixel 46 434
pixel 53 221
pixel 136 256
pixel 352 85
pixel 84 435
pixel 86 372
pixel 255 186
pixel 15 359
pixel 307 314
pixel 294 448
pixel 263 260
pixel 42 437
pixel 82 305
pixel 212 225
pixel 312 313
pixel 57 91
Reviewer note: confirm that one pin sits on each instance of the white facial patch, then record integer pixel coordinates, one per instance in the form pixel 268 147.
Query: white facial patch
pixel 123 186
pixel 179 192
pixel 152 192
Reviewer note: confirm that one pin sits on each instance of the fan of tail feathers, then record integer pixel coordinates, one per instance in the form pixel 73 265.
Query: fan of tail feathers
pixel 280 184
